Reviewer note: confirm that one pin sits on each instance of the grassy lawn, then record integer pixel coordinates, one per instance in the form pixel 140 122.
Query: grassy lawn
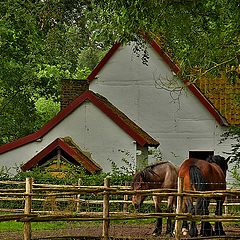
pixel 18 226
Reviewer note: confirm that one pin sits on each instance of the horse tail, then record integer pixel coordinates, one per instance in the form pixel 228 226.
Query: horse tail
pixel 200 184
pixel 197 179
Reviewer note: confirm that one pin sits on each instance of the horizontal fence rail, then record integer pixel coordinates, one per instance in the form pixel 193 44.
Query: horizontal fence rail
pixel 43 203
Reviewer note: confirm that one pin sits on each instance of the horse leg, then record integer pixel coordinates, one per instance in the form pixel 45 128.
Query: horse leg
pixel 185 228
pixel 170 224
pixel 202 209
pixel 218 225
pixel 158 228
pixel 193 232
pixel 188 207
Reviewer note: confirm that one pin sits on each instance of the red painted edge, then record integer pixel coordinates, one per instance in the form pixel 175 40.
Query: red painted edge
pixel 221 120
pixel 46 128
pixel 64 113
pixel 114 48
pixel 102 63
pixel 89 165
pixel 33 162
pixel 120 122
pixel 59 143
pixel 174 67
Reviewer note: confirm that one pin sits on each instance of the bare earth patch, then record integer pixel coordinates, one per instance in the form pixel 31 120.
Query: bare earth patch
pixel 117 231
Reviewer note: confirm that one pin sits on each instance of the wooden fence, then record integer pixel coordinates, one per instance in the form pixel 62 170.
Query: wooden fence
pixel 32 193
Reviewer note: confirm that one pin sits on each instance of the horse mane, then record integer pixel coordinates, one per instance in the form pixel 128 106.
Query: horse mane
pixel 146 173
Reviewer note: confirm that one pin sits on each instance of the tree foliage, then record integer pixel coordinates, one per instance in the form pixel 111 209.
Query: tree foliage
pixel 41 43
pixel 44 41
pixel 199 34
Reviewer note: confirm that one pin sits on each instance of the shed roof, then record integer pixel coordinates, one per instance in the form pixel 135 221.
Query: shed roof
pixel 174 67
pixel 127 125
pixel 69 149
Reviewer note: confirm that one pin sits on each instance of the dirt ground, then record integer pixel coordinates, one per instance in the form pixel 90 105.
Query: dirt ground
pixel 116 232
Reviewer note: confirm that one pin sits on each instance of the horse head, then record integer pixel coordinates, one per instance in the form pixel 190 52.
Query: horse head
pixel 138 184
pixel 220 161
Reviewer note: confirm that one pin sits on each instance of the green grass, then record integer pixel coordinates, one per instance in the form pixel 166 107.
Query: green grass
pixel 11 226
pixel 18 226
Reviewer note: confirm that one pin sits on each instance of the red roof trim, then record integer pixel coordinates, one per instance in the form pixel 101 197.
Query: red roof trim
pixel 114 48
pixel 60 143
pixel 33 162
pixel 165 57
pixel 89 165
pixel 105 59
pixel 65 112
pixel 41 132
pixel 221 120
pixel 102 106
pixel 139 139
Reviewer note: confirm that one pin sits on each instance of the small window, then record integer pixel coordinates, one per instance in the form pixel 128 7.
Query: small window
pixel 200 154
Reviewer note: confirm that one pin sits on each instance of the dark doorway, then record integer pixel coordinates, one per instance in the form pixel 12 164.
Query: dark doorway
pixel 200 154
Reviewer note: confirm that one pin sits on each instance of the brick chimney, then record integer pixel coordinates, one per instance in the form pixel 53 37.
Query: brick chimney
pixel 71 89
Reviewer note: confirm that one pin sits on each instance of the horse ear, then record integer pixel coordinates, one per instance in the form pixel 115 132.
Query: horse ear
pixel 228 159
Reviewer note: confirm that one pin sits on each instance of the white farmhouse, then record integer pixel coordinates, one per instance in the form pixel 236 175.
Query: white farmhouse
pixel 129 108
pixel 174 112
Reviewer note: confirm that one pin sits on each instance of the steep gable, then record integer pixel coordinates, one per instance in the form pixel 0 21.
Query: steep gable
pixel 68 149
pixel 192 87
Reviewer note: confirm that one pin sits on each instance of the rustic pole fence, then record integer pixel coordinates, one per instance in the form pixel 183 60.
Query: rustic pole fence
pixel 105 233
pixel 78 196
pixel 27 231
pixel 178 222
pixel 36 192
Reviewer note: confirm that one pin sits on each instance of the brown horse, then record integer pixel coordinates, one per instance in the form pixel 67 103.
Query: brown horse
pixel 203 175
pixel 157 176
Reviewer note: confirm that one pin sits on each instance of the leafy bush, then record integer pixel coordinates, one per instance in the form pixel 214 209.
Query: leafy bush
pixel 4 173
pixel 74 175
pixel 234 134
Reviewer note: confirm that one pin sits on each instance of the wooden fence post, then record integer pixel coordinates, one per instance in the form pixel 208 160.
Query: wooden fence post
pixel 125 198
pixel 79 195
pixel 105 233
pixel 27 231
pixel 178 222
pixel 226 205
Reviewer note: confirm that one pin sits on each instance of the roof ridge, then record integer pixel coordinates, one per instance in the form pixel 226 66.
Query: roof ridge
pixel 99 101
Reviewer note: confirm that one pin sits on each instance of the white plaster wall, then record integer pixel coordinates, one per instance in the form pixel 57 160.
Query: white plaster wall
pixel 178 121
pixel 89 128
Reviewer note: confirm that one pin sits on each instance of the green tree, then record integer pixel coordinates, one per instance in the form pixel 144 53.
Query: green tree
pixel 200 34
pixel 41 43
pixel 44 41
pixel 234 134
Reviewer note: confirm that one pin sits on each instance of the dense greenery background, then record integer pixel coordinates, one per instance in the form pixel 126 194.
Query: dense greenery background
pixel 42 42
